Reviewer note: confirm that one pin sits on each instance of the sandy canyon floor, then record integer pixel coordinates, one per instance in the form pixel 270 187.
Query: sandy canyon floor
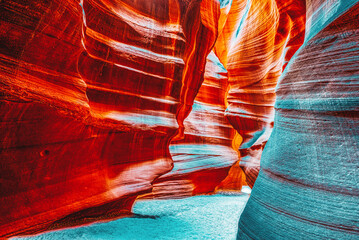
pixel 199 217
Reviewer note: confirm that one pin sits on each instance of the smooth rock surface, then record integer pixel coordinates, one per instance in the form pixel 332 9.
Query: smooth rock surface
pixel 92 92
pixel 204 156
pixel 256 39
pixel 308 185
pixel 105 100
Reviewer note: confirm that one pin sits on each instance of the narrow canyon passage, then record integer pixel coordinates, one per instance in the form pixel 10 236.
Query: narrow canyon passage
pixel 162 112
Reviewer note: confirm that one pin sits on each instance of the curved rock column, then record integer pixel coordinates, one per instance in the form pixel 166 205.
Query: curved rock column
pixel 92 92
pixel 256 39
pixel 308 185
pixel 205 154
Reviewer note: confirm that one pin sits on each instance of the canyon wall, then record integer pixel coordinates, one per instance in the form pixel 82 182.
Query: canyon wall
pixel 308 186
pixel 203 157
pixel 255 41
pixel 103 101
pixel 92 92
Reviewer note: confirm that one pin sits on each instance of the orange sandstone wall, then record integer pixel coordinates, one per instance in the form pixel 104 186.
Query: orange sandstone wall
pixel 256 39
pixel 91 94
pixel 203 157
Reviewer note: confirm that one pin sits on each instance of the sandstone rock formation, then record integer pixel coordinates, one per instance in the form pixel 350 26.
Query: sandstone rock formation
pixel 91 94
pixel 308 184
pixel 251 44
pixel 203 157
pixel 102 101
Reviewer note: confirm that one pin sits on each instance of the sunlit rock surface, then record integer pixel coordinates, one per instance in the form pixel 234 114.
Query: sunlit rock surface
pixel 105 100
pixel 91 94
pixel 308 184
pixel 203 157
pixel 252 41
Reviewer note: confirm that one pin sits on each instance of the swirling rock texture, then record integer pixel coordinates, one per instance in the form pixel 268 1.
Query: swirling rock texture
pixel 91 94
pixel 308 184
pixel 203 157
pixel 100 99
pixel 255 41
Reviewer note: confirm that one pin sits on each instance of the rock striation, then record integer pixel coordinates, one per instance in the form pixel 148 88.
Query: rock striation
pixel 92 92
pixel 204 156
pixel 103 101
pixel 308 187
pixel 256 39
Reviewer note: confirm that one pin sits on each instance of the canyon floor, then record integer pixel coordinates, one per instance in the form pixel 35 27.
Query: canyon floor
pixel 199 217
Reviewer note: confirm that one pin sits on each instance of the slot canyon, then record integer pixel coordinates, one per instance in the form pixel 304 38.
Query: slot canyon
pixel 105 103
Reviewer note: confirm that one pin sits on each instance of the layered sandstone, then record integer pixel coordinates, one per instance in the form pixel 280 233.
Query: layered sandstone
pixel 105 100
pixel 203 157
pixel 256 39
pixel 91 94
pixel 308 184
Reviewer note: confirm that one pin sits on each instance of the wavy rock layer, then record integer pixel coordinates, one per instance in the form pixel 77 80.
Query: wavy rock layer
pixel 91 94
pixel 308 184
pixel 94 96
pixel 205 154
pixel 256 40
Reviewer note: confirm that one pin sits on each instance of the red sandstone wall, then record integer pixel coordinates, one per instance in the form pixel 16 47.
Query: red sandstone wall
pixel 105 100
pixel 90 99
